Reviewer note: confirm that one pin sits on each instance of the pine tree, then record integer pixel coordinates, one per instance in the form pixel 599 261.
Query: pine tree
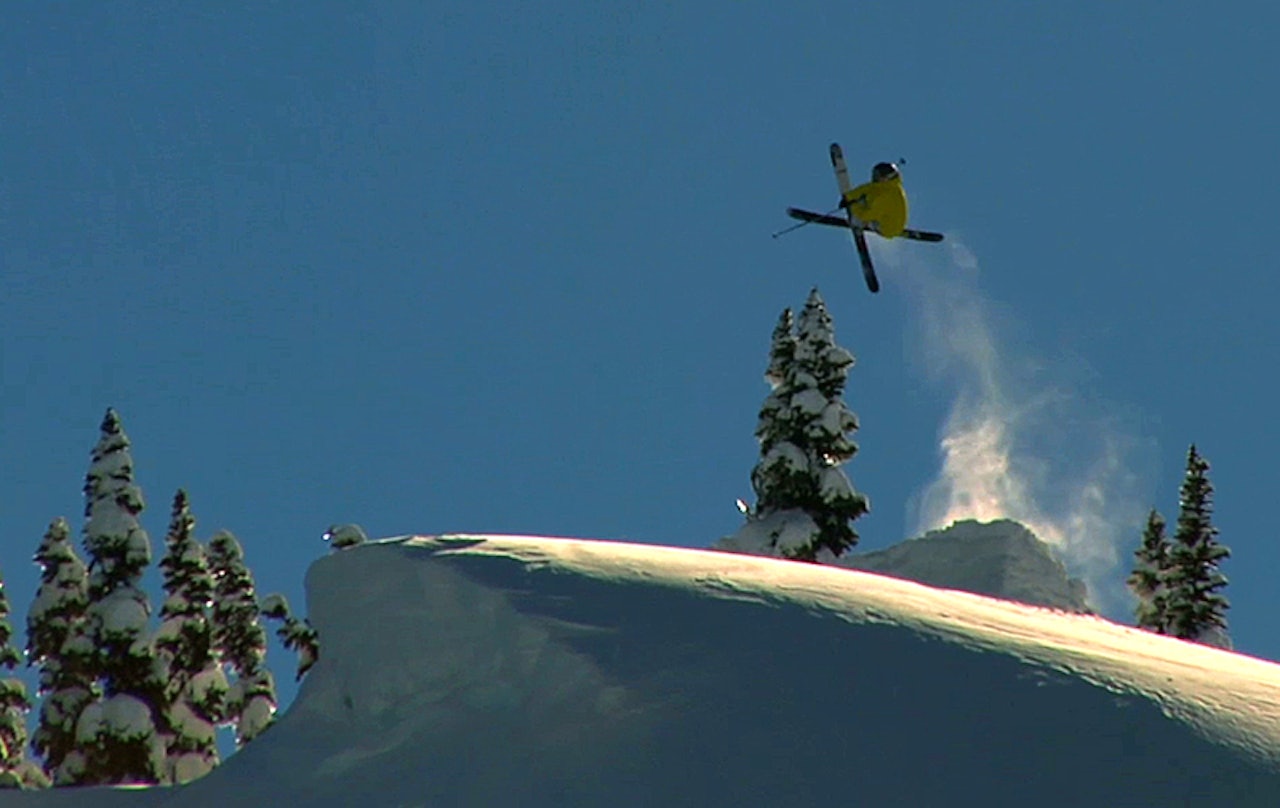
pixel 126 727
pixel 15 770
pixel 1147 581
pixel 197 687
pixel 296 635
pixel 773 424
pixel 804 501
pixel 782 350
pixel 58 643
pixel 240 639
pixel 1196 609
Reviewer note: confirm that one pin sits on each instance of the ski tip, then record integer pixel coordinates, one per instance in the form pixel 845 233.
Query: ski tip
pixel 922 235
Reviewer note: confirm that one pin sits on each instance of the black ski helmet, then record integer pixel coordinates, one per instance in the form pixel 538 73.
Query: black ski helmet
pixel 883 171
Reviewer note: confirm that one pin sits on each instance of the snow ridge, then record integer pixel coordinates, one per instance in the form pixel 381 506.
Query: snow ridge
pixel 483 670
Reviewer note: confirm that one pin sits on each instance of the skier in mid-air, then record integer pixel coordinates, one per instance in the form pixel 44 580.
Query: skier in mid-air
pixel 882 203
pixel 879 207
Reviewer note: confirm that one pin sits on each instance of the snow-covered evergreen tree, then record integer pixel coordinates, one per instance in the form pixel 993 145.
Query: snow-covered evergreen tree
pixel 782 350
pixel 59 644
pixel 197 687
pixel 240 639
pixel 16 771
pixel 1147 581
pixel 296 635
pixel 1196 609
pixel 805 503
pixel 122 734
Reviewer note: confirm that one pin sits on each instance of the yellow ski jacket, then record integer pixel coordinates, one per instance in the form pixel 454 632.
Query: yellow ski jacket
pixel 880 204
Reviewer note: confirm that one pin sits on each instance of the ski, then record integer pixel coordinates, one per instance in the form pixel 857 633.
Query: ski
pixel 842 170
pixel 802 215
pixel 868 270
pixel 817 218
pixel 921 235
pixel 855 226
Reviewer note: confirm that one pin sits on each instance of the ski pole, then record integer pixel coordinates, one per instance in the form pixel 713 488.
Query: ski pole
pixel 784 231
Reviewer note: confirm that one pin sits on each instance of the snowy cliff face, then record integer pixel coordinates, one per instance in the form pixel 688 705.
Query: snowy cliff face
pixel 491 671
pixel 1001 558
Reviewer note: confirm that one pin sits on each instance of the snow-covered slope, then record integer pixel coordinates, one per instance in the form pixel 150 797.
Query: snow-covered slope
pixel 494 671
pixel 1001 558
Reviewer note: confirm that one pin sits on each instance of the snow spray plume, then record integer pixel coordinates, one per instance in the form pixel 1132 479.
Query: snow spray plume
pixel 1015 445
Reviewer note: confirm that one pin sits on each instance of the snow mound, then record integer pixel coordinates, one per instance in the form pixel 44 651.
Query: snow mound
pixel 473 670
pixel 776 534
pixel 1001 558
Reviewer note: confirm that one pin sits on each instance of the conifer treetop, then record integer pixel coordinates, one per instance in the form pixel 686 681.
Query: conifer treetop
pixel 185 564
pixel 782 349
pixel 58 643
pixel 1196 607
pixel 1150 574
pixel 62 596
pixel 118 738
pixel 238 633
pixel 197 684
pixel 118 547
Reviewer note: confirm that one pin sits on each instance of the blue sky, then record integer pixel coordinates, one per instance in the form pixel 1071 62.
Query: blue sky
pixel 506 268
